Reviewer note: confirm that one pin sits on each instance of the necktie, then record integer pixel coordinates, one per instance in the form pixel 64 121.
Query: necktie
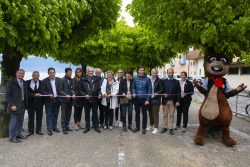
pixel 21 85
pixel 35 88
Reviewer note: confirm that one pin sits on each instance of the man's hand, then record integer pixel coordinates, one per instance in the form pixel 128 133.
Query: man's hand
pixel 51 96
pixel 13 108
pixel 74 97
pixel 133 95
pixel 146 103
pixel 37 94
pixel 68 96
pixel 177 104
pixel 87 97
pixel 100 96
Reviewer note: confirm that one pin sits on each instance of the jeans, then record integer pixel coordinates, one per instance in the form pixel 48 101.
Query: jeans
pixel 140 107
pixel 52 115
pixel 127 108
pixel 16 123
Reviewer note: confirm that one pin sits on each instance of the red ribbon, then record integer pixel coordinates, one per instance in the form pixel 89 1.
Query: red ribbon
pixel 218 81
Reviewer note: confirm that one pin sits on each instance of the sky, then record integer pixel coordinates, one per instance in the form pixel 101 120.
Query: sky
pixel 126 15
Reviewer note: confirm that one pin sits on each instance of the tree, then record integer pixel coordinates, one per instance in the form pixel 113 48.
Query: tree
pixel 45 27
pixel 121 47
pixel 216 27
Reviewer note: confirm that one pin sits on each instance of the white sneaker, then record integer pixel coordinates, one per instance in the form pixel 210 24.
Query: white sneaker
pixel 120 124
pixel 155 131
pixel 149 127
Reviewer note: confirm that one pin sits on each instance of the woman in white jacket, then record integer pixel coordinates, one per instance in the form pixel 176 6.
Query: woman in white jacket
pixel 109 89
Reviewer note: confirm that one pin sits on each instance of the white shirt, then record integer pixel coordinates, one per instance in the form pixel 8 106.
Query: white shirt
pixel 32 84
pixel 182 88
pixel 53 84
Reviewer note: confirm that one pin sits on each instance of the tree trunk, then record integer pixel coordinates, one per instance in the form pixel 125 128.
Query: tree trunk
pixel 10 64
pixel 84 68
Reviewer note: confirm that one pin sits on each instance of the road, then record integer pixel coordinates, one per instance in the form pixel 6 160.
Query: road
pixel 125 149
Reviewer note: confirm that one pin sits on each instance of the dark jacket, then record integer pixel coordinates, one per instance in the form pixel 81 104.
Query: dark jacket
pixel 91 89
pixel 175 92
pixel 189 89
pixel 76 90
pixel 14 95
pixel 47 90
pixel 65 88
pixel 32 99
pixel 142 85
pixel 158 89
pixel 123 88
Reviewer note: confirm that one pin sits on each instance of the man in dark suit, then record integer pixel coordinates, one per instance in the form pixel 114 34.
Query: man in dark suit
pixel 16 96
pixel 50 87
pixel 170 101
pixel 66 102
pixel 91 87
pixel 35 102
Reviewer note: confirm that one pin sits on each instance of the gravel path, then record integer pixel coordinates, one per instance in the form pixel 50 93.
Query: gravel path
pixel 116 148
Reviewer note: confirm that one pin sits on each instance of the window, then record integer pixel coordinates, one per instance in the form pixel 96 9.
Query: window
pixel 233 70
pixel 245 70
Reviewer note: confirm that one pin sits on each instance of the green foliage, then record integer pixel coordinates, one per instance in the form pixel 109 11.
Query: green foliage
pixel 121 47
pixel 215 26
pixel 42 27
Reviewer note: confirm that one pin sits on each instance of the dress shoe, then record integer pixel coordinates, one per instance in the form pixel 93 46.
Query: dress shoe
pixel 97 130
pixel 136 130
pixel 143 131
pixel 39 133
pixel 29 134
pixel 86 130
pixel 50 133
pixel 171 131
pixel 69 129
pixel 56 130
pixel 177 128
pixel 130 128
pixel 163 130
pixel 65 131
pixel 21 137
pixel 125 129
pixel 15 141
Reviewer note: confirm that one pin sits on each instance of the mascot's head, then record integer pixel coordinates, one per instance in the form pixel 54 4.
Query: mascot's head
pixel 217 65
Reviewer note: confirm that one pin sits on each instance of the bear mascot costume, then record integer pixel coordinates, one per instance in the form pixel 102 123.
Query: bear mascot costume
pixel 215 109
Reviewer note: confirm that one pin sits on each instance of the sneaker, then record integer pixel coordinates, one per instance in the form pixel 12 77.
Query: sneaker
pixel 183 130
pixel 149 127
pixel 120 124
pixel 116 123
pixel 171 131
pixel 155 131
pixel 110 128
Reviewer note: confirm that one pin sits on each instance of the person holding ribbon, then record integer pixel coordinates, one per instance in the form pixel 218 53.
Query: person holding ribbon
pixel 187 89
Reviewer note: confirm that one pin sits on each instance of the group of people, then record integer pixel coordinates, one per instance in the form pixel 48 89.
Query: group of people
pixel 101 98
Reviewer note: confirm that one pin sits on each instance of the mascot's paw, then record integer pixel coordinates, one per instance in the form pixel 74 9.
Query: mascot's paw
pixel 199 140
pixel 229 142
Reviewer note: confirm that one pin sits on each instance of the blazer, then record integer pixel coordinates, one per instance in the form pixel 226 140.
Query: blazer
pixel 176 90
pixel 159 89
pixel 123 88
pixel 188 88
pixel 46 89
pixel 32 99
pixel 65 89
pixel 14 96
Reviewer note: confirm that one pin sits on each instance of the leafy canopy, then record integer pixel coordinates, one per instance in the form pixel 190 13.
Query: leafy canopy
pixel 215 26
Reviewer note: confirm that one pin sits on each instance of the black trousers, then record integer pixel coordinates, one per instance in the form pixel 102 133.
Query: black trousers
pixel 77 114
pixel 140 108
pixel 109 115
pixel 101 112
pixel 183 110
pixel 66 108
pixel 35 109
pixel 91 106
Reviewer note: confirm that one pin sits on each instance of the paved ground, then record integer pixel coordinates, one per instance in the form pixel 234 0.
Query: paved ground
pixel 116 148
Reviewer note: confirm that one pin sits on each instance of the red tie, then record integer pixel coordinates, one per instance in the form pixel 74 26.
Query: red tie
pixel 218 81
